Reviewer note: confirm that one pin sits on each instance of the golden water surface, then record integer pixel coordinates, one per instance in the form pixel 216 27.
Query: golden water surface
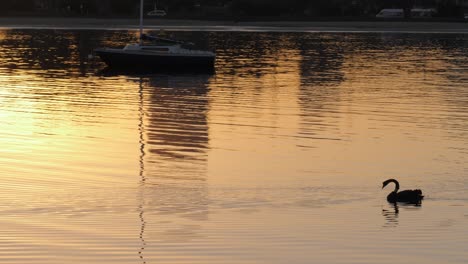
pixel 277 157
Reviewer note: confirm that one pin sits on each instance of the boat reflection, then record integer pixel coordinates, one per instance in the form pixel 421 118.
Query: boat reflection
pixel 174 141
pixel 154 72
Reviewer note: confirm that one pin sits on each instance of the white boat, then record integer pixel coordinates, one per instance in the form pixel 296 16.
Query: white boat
pixel 160 54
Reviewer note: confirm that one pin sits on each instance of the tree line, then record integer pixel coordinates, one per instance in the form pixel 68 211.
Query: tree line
pixel 228 8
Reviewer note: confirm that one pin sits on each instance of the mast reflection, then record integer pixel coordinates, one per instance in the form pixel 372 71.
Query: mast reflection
pixel 142 170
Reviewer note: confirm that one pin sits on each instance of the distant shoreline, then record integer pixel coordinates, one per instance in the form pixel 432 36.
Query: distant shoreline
pixel 204 25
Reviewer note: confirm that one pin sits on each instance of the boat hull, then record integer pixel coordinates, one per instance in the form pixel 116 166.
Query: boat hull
pixel 121 59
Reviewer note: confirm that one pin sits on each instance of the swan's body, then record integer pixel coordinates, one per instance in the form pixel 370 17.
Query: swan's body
pixel 406 196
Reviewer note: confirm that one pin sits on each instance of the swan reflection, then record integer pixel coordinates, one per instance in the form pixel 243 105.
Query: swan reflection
pixel 390 215
pixel 391 212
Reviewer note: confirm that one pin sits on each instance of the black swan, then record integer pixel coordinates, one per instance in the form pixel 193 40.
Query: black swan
pixel 406 196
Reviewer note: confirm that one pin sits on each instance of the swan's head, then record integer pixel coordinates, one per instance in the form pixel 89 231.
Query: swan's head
pixel 385 183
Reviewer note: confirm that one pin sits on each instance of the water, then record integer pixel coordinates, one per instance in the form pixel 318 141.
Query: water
pixel 278 157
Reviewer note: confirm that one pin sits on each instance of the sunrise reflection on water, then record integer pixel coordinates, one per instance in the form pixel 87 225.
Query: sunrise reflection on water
pixel 276 157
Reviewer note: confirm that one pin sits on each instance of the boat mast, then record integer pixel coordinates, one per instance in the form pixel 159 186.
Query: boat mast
pixel 141 22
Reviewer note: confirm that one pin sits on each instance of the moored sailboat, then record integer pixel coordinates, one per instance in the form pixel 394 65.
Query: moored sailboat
pixel 154 53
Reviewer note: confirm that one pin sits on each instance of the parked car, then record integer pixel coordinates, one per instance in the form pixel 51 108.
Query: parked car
pixel 400 13
pixel 390 13
pixel 158 13
pixel 422 12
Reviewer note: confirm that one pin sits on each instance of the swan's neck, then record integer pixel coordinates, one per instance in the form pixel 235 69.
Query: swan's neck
pixel 397 185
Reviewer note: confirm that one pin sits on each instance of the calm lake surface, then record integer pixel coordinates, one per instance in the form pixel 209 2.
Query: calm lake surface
pixel 277 157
